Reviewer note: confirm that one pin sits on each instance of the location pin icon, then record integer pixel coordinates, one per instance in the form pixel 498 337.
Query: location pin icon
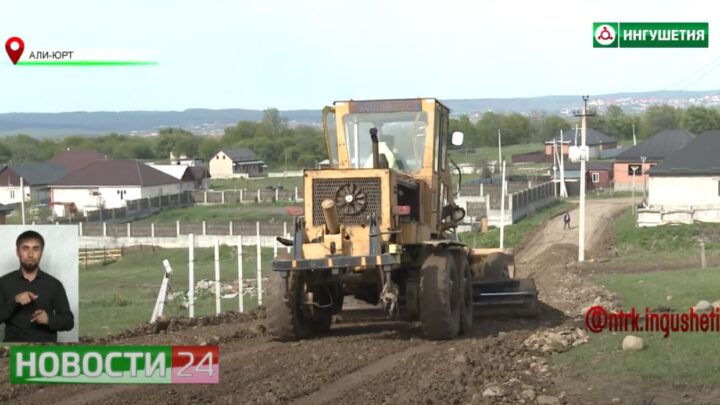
pixel 16 53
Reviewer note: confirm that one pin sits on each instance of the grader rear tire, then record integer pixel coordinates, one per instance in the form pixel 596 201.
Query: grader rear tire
pixel 286 318
pixel 440 296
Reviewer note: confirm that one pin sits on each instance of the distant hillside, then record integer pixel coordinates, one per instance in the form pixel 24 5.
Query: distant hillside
pixel 212 122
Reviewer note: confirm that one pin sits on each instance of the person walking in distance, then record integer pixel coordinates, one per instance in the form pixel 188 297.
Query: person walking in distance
pixel 566 220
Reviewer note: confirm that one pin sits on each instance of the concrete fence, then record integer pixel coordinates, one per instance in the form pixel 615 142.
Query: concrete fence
pixel 179 228
pixel 518 204
pixel 656 216
pixel 241 196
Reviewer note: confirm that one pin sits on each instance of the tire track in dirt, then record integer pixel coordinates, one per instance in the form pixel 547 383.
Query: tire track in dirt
pixel 365 359
pixel 355 379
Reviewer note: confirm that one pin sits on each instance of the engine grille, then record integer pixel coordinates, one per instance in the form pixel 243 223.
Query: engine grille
pixel 366 199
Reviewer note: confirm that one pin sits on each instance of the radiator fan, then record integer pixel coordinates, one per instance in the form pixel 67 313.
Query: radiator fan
pixel 350 199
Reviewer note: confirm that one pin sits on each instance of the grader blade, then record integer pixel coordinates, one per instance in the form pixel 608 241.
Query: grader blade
pixel 518 297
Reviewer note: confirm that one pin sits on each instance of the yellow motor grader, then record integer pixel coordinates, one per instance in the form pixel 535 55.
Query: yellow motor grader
pixel 380 224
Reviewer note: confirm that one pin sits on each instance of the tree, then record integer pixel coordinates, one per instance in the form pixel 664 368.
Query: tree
pixel 273 122
pixel 24 148
pixel 175 140
pixel 659 117
pixel 515 129
pixel 699 119
pixel 5 153
pixel 618 124
pixel 209 147
pixel 487 128
pixel 464 125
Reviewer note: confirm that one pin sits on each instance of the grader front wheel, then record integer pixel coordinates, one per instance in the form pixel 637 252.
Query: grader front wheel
pixel 286 318
pixel 440 296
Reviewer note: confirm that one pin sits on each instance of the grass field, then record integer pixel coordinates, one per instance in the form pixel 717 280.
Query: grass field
pixel 122 295
pixel 679 358
pixel 228 212
pixel 638 243
pixel 515 233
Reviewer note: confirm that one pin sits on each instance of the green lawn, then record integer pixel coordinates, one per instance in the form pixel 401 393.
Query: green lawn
pixel 227 212
pixel 515 233
pixel 122 295
pixel 676 240
pixel 682 357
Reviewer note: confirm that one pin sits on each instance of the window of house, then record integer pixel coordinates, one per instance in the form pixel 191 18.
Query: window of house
pixel 12 194
pixel 596 177
pixel 634 169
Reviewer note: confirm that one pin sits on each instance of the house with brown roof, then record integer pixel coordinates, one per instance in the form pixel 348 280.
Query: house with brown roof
pixel 230 163
pixel 191 177
pixel 639 159
pixel 36 178
pixel 109 184
pixel 73 159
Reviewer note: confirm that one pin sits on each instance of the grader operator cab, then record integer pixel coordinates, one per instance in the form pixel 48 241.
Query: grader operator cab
pixel 380 224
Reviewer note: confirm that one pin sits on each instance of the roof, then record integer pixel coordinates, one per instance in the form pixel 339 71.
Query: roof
pixel 37 174
pixel 698 157
pixel 198 172
pixel 6 208
pixel 109 173
pixel 594 166
pixel 592 137
pixel 657 147
pixel 240 154
pixel 73 159
pixel 177 171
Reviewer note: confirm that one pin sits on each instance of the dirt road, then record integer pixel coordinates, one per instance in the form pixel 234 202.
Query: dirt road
pixel 370 359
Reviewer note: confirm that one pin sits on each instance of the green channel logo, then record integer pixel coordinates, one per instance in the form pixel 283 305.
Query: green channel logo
pixel 650 35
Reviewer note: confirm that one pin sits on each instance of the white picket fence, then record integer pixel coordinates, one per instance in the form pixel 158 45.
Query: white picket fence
pixel 191 245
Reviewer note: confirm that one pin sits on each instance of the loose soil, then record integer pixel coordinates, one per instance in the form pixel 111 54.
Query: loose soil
pixel 368 359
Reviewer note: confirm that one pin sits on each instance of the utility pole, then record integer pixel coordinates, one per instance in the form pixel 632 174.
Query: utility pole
pixel 499 150
pixel 583 158
pixel 634 170
pixel 22 200
pixel 503 190
pixel 642 172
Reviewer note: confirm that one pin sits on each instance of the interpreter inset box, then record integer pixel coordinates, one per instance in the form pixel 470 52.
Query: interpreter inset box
pixel 39 288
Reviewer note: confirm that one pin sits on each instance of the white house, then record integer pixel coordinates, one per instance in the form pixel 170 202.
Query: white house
pixel 685 187
pixel 35 178
pixel 230 163
pixel 181 172
pixel 109 184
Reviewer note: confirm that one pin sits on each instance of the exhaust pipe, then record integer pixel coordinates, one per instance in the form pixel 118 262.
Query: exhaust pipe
pixel 332 223
pixel 375 148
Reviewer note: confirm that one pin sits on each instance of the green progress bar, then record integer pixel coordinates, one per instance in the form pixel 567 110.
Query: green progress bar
pixel 84 63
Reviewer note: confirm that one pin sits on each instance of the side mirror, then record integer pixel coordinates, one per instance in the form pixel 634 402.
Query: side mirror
pixel 457 138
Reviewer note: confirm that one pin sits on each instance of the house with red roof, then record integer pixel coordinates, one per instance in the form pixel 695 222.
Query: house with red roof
pixel 109 184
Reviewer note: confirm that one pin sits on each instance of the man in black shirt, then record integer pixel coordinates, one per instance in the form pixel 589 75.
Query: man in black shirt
pixel 33 304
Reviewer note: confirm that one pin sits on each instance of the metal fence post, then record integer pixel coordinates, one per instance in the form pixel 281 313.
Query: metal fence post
pixel 259 263
pixel 240 273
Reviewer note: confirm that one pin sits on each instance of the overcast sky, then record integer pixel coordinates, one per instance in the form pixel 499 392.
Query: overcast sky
pixel 299 54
